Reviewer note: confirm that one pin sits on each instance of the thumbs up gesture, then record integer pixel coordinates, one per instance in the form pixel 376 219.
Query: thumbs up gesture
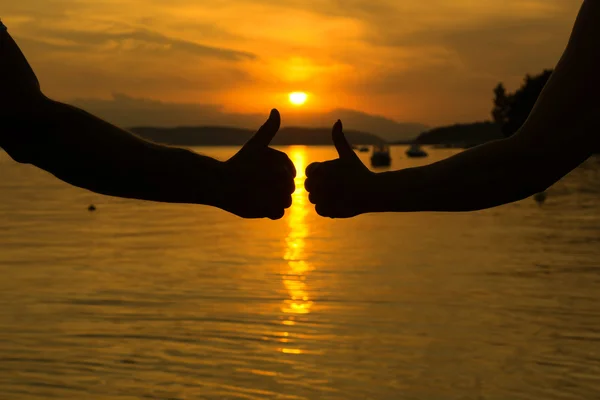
pixel 259 181
pixel 340 188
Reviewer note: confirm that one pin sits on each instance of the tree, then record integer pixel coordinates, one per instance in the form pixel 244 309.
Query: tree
pixel 512 110
pixel 500 104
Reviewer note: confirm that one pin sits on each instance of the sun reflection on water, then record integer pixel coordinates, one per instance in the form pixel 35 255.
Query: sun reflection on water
pixel 294 279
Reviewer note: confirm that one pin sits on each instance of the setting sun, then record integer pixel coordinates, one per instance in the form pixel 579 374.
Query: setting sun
pixel 298 98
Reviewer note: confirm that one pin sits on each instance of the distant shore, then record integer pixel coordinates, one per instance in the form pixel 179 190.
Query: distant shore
pixel 456 136
pixel 224 136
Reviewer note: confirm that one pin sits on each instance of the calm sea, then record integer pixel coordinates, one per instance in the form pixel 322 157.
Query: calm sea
pixel 152 301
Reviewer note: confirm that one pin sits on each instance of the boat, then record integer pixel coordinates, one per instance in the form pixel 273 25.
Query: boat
pixel 416 151
pixel 541 197
pixel 364 149
pixel 381 156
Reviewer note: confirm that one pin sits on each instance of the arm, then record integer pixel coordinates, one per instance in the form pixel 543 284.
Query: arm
pixel 90 153
pixel 561 133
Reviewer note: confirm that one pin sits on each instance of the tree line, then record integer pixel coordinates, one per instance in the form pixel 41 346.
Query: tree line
pixel 511 110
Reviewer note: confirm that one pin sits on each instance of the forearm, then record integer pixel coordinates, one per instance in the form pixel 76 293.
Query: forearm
pixel 487 176
pixel 90 153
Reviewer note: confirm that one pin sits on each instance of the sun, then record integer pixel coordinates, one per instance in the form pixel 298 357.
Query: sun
pixel 298 98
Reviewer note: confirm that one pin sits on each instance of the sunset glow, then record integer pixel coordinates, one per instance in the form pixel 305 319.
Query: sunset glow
pixel 299 301
pixel 228 63
pixel 298 98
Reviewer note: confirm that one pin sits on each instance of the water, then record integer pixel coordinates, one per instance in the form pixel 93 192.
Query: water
pixel 152 301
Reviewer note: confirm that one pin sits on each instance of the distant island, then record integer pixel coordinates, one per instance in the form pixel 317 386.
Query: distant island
pixel 462 135
pixel 224 136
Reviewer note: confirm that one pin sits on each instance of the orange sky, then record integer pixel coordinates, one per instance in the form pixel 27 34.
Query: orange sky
pixel 432 62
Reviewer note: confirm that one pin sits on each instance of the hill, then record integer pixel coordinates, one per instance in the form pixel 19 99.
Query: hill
pixel 462 135
pixel 385 128
pixel 124 110
pixel 224 136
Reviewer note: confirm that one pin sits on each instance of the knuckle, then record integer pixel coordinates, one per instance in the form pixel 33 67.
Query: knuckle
pixel 308 185
pixel 277 215
pixel 291 187
pixel 312 168
pixel 292 169
pixel 279 156
pixel 322 210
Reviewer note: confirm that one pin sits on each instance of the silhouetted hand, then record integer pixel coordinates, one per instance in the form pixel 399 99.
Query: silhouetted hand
pixel 339 188
pixel 258 180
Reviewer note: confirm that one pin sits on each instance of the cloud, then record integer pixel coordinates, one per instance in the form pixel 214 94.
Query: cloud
pixel 122 36
pixel 128 111
pixel 136 38
pixel 434 61
pixel 451 72
pixel 498 47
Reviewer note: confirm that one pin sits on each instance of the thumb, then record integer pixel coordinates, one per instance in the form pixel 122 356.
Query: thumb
pixel 339 140
pixel 267 132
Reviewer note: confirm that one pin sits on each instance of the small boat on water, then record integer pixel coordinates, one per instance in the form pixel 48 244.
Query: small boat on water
pixel 416 151
pixel 381 156
pixel 364 149
pixel 541 197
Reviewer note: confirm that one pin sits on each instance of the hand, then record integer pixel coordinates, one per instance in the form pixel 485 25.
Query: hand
pixel 20 86
pixel 340 188
pixel 259 181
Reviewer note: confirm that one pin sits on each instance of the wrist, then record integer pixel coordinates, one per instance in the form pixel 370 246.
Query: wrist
pixel 377 196
pixel 216 185
pixel 398 191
